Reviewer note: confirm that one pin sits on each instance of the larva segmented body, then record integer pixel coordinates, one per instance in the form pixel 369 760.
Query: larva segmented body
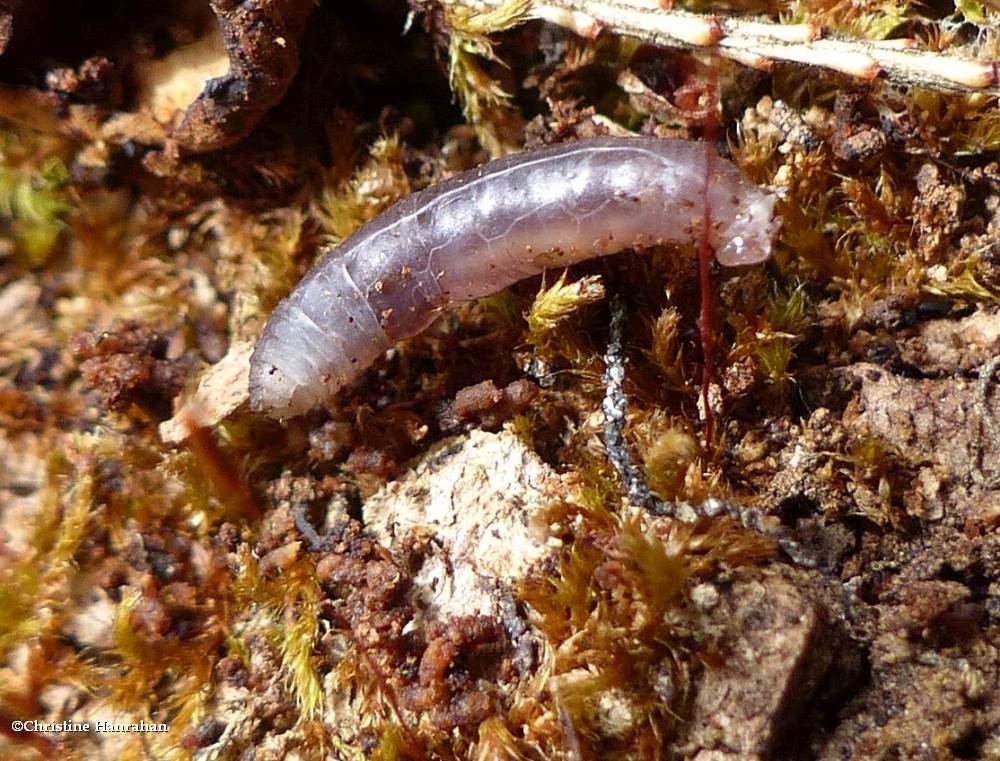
pixel 480 231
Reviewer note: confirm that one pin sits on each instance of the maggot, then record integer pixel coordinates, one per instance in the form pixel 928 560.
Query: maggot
pixel 477 232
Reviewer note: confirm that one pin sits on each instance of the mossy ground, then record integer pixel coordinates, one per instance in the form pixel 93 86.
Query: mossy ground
pixel 146 581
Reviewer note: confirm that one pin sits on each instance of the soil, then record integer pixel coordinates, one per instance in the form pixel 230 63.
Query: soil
pixel 442 561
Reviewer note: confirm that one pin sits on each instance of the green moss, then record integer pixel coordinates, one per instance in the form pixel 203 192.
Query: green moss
pixel 966 279
pixel 300 636
pixel 957 124
pixel 552 328
pixel 615 616
pixel 33 198
pixel 667 350
pixel 868 19
pixel 487 106
pixel 34 589
pixel 343 206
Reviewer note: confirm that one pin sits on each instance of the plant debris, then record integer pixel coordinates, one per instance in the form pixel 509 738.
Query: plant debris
pixel 450 559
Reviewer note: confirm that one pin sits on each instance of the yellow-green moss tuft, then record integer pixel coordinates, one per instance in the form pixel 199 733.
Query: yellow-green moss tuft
pixel 33 197
pixel 342 207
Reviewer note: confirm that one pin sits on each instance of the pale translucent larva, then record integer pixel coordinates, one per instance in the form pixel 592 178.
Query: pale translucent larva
pixel 478 232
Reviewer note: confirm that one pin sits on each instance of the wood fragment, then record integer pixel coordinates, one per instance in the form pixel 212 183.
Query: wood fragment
pixel 755 42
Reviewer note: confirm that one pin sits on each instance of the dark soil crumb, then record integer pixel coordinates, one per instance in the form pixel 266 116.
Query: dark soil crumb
pixel 128 365
pixel 488 405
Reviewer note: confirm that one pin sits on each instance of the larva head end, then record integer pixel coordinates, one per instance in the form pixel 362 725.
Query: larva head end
pixel 273 390
pixel 749 237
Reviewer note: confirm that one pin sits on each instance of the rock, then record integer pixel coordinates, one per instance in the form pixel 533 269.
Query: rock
pixel 949 346
pixel 772 652
pixel 477 495
pixel 936 428
pixel 936 706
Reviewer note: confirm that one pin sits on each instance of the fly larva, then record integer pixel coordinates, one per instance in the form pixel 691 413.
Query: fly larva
pixel 478 232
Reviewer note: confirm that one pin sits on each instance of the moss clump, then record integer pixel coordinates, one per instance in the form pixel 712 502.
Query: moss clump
pixel 486 104
pixel 343 206
pixel 551 330
pixel 618 627
pixel 34 197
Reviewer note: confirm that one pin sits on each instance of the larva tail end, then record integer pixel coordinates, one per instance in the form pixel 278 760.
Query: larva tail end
pixel 749 237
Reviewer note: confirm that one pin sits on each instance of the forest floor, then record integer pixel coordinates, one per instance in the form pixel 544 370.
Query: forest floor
pixel 441 561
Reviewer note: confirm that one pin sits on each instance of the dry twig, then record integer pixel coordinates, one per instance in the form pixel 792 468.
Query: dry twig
pixel 759 43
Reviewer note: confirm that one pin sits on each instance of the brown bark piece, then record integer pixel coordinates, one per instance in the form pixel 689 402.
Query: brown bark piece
pixel 129 365
pixel 490 405
pixel 202 96
pixel 937 209
pixel 262 39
